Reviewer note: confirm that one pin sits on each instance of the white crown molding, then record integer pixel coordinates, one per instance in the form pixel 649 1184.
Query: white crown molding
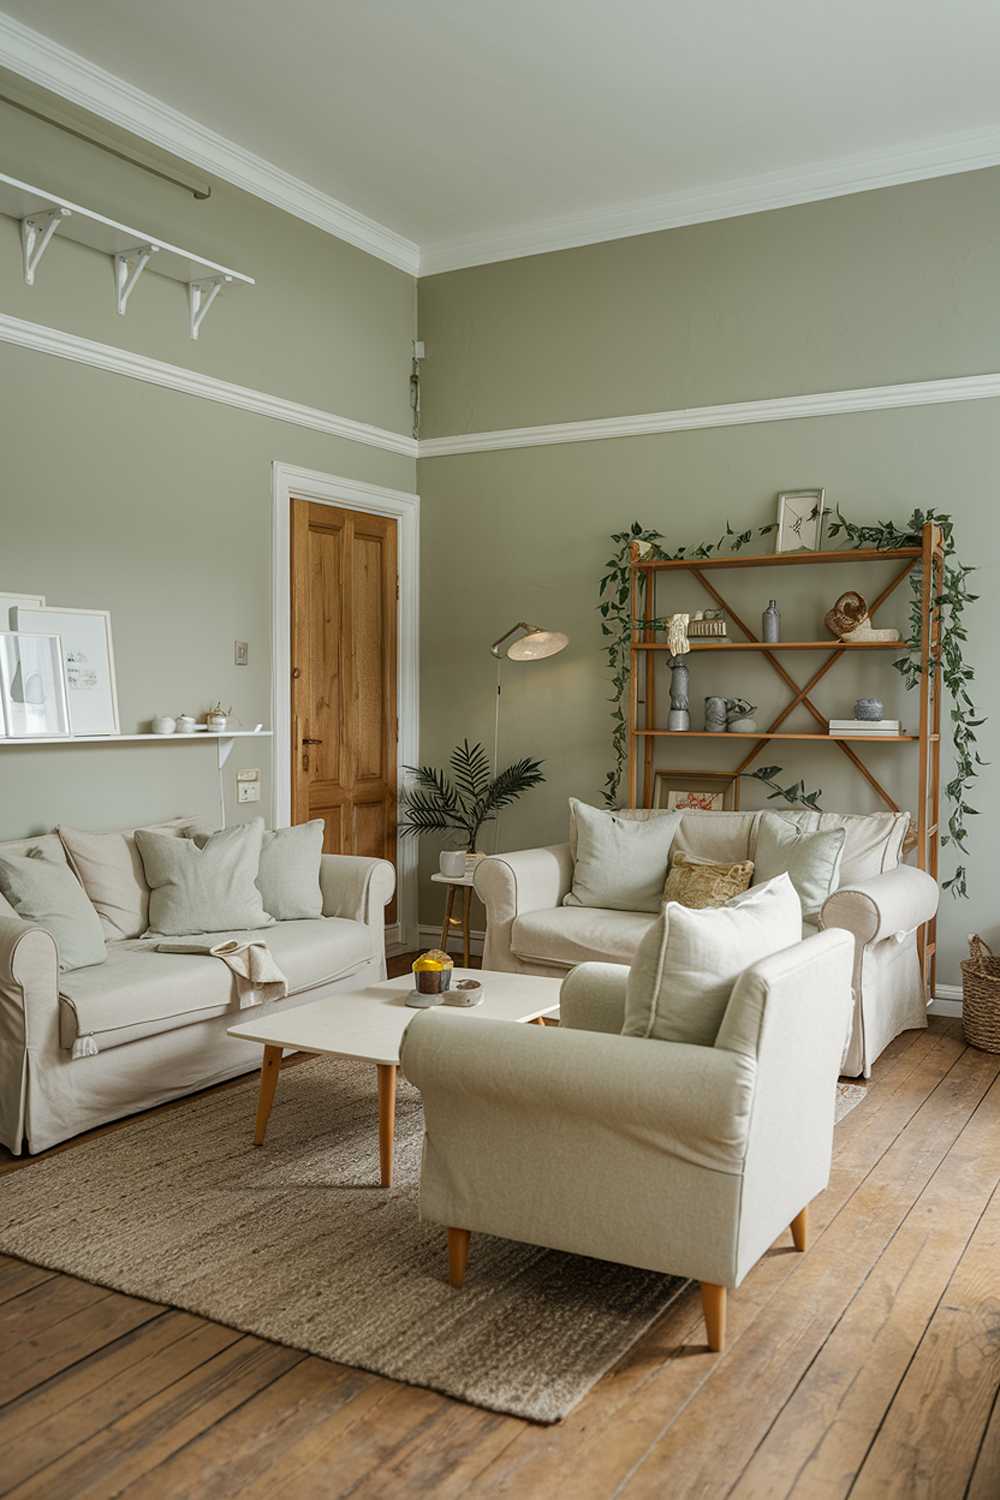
pixel 83 351
pixel 968 151
pixel 45 62
pixel 732 414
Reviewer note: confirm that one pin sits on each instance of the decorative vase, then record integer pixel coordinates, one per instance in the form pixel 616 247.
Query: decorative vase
pixel 741 726
pixel 216 722
pixel 869 708
pixel 451 862
pixel 770 622
pixel 679 717
pixel 715 715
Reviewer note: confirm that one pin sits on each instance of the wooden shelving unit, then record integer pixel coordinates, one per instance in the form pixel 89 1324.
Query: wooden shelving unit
pixel 643 733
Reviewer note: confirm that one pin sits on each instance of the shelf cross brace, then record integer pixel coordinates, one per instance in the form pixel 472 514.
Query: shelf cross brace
pixel 129 266
pixel 201 295
pixel 36 236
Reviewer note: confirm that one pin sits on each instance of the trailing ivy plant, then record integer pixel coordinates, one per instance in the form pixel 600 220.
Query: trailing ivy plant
pixel 949 605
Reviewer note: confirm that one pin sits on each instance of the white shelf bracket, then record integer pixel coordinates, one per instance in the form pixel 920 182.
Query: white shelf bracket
pixel 129 266
pixel 201 295
pixel 36 234
pixel 225 750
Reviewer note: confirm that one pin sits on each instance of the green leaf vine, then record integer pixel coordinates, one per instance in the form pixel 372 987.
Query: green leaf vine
pixel 949 603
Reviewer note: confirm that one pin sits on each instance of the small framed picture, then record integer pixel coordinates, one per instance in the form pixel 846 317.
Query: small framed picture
pixel 89 659
pixel 703 791
pixel 33 686
pixel 800 520
pixel 10 601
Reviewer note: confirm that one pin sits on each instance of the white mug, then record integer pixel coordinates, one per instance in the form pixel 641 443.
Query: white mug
pixel 185 724
pixel 452 863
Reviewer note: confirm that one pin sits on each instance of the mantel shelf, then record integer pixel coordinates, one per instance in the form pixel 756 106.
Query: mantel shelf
pixel 759 734
pixel 777 646
pixel 776 559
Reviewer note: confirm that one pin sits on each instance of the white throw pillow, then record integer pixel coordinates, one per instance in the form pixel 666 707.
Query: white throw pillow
pixel 209 887
pixel 288 878
pixel 48 894
pixel 621 863
pixel 685 967
pixel 811 860
pixel 109 868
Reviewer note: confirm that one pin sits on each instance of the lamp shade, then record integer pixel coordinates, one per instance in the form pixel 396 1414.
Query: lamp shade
pixel 538 644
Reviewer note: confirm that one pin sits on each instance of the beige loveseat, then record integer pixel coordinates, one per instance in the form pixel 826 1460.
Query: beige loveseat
pixel 880 901
pixel 156 1023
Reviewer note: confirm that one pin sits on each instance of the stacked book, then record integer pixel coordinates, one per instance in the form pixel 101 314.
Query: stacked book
pixel 870 728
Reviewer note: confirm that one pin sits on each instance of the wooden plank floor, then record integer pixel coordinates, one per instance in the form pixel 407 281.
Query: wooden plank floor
pixel 869 1366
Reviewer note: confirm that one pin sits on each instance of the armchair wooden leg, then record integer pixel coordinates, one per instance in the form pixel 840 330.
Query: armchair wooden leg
pixel 713 1303
pixel 458 1255
pixel 800 1229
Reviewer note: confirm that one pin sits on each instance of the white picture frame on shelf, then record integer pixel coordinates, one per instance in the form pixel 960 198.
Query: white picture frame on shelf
pixel 89 663
pixel 10 601
pixel 33 686
pixel 800 520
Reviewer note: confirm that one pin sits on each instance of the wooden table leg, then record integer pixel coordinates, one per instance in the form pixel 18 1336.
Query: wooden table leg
pixel 446 925
pixel 466 914
pixel 386 1119
pixel 269 1069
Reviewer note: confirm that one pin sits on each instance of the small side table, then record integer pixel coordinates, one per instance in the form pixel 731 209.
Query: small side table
pixel 455 883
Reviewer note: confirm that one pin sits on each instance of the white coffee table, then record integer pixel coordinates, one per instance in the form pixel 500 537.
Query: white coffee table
pixel 369 1024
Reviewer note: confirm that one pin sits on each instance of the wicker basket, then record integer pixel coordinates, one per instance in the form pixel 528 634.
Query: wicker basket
pixel 981 997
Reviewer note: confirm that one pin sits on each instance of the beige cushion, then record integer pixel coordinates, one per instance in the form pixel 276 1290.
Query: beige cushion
pixel 47 844
pixel 48 894
pixel 204 884
pixel 140 992
pixel 109 868
pixel 873 842
pixel 720 837
pixel 811 860
pixel 696 883
pixel 621 863
pixel 568 935
pixel 680 982
pixel 288 876
pixel 627 814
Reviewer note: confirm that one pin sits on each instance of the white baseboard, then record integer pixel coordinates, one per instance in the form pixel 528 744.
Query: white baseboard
pixel 430 937
pixel 947 1001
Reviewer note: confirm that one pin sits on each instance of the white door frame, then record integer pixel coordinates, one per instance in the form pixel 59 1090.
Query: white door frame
pixel 290 482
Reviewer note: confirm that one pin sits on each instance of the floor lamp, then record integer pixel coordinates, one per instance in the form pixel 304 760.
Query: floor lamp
pixel 522 642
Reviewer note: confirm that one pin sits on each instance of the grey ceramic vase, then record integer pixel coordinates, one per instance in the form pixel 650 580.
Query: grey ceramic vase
pixel 715 715
pixel 868 708
pixel 770 622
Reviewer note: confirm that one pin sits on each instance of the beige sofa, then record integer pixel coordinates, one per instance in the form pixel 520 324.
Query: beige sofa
pixel 881 902
pixel 157 1021
pixel 685 1159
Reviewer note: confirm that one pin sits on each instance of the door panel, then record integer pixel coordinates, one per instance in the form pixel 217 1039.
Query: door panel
pixel 344 724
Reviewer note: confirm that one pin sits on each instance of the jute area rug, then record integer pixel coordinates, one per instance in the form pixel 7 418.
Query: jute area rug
pixel 296 1242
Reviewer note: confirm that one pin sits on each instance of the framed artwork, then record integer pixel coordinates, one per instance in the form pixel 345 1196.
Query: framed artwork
pixel 33 686
pixel 89 661
pixel 9 602
pixel 703 791
pixel 800 520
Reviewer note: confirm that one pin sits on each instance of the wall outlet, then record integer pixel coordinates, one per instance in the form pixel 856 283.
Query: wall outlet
pixel 248 786
pixel 241 654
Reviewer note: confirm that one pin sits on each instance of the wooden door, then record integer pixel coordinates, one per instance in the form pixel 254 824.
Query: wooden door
pixel 344 719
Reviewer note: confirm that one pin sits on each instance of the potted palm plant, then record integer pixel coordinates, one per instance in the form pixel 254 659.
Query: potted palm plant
pixel 459 803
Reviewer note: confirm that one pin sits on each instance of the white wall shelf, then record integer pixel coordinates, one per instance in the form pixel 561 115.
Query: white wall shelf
pixel 223 740
pixel 42 215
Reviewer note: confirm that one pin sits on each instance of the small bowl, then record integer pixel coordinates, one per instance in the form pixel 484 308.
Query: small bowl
pixel 465 992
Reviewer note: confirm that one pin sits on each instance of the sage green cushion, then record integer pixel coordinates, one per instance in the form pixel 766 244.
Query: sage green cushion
pixel 621 863
pixel 48 893
pixel 288 878
pixel 686 965
pixel 204 884
pixel 811 860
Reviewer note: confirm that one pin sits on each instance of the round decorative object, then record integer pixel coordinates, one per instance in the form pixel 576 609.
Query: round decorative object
pixel 216 722
pixel 451 862
pixel 185 724
pixel 847 614
pixel 869 708
pixel 715 715
pixel 742 726
pixel 164 724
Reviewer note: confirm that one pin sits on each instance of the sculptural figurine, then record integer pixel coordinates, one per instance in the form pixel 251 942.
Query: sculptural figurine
pixel 849 620
pixel 740 716
pixel 679 717
pixel 677 640
pixel 715 715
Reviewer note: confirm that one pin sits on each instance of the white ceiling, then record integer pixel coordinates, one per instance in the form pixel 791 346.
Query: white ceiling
pixel 481 129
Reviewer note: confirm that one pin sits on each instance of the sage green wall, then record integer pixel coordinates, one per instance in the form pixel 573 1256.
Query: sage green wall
pixel 742 309
pixel 157 505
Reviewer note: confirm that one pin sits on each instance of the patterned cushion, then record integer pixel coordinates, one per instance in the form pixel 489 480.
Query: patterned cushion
pixel 697 884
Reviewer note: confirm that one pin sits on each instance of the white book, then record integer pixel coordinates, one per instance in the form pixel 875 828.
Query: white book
pixel 864 734
pixel 864 723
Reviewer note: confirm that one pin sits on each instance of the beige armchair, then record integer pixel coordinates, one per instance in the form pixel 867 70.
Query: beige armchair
pixel 683 1159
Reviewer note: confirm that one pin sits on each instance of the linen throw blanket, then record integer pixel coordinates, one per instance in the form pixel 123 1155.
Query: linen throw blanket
pixel 258 977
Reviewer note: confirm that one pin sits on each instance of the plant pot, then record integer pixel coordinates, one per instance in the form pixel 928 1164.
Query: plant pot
pixel 451 862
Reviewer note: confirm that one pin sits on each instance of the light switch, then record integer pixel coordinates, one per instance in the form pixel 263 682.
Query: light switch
pixel 242 653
